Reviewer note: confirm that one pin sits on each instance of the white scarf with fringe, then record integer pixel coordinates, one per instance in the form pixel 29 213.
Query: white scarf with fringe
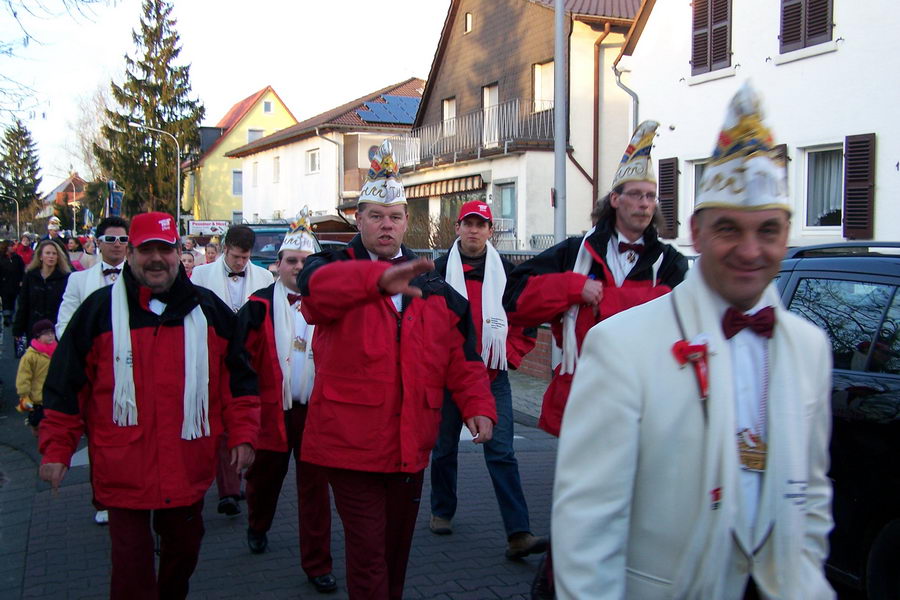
pixel 196 368
pixel 494 325
pixel 283 320
pixel 583 263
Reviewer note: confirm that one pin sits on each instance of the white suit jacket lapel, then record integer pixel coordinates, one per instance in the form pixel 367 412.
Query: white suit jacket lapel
pixel 96 280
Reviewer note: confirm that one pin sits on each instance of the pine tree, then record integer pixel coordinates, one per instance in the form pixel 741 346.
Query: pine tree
pixel 155 93
pixel 19 170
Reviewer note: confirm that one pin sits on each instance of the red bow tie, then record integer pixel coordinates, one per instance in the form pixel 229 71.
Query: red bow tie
pixel 292 298
pixel 762 323
pixel 624 247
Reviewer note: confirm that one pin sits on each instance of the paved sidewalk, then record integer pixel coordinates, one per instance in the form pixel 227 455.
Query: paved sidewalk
pixel 50 547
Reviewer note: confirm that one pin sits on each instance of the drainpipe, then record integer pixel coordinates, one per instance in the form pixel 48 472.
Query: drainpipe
pixel 596 172
pixel 340 173
pixel 630 92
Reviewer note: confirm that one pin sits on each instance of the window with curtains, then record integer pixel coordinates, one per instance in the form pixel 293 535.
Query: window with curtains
pixel 542 86
pixel 710 36
pixel 824 187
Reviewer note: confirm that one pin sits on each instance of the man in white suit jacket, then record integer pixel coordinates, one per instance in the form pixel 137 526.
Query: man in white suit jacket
pixel 112 239
pixel 692 465
pixel 232 277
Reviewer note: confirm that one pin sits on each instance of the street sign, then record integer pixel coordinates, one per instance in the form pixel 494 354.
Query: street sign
pixel 207 227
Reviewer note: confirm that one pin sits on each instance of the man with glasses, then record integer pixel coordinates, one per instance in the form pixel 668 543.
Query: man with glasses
pixel 618 264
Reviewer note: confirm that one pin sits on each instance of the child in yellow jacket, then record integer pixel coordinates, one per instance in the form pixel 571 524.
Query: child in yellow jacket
pixel 32 372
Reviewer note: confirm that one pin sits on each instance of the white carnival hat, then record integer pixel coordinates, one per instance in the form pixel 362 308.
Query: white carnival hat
pixel 382 184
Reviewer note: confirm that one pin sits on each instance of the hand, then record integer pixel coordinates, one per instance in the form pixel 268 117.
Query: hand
pixel 242 457
pixel 481 428
pixel 592 292
pixel 53 474
pixel 395 280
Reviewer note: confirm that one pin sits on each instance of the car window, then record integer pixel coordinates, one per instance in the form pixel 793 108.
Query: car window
pixel 886 355
pixel 850 312
pixel 267 244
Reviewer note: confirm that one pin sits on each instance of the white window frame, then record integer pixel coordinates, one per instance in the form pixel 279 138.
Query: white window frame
pixel 237 173
pixel 468 22
pixel 801 185
pixel 313 161
pixel 694 180
pixel 276 169
pixel 542 86
pixel 448 116
pixel 251 132
pixel 267 106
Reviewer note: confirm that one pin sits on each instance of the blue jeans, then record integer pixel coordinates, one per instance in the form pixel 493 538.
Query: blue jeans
pixel 499 455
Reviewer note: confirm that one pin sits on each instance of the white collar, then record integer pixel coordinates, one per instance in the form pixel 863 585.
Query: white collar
pixel 621 237
pixel 376 257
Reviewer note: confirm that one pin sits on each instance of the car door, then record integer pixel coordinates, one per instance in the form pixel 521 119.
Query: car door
pixel 860 313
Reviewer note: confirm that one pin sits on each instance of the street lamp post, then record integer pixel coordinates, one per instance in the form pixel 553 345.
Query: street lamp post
pixel 18 233
pixel 177 170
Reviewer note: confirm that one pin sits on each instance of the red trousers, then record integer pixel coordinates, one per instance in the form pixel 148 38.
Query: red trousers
pixel 227 478
pixel 379 513
pixel 264 479
pixel 180 532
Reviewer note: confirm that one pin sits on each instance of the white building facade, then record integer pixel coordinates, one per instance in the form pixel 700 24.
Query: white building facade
pixel 823 70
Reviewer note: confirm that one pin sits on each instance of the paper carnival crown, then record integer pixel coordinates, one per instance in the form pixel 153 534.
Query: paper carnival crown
pixel 382 184
pixel 636 164
pixel 300 236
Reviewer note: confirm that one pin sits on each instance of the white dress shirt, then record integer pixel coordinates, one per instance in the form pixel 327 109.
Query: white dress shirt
pixel 235 286
pixel 301 382
pixel 397 299
pixel 617 261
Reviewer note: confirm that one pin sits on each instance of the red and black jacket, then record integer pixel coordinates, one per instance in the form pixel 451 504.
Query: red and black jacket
pixel 542 289
pixel 148 465
pixel 380 373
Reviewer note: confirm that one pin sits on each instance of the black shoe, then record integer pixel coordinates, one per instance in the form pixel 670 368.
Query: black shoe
pixel 324 584
pixel 229 506
pixel 258 542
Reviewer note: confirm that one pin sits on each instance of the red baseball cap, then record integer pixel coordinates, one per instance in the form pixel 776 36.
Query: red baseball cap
pixel 475 207
pixel 153 227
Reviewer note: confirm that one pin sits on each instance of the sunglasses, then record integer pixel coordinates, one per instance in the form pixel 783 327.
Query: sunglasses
pixel 111 239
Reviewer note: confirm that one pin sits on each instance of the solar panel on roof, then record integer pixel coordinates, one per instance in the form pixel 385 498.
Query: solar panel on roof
pixel 394 109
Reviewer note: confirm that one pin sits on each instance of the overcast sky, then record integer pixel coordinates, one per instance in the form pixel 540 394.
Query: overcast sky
pixel 315 54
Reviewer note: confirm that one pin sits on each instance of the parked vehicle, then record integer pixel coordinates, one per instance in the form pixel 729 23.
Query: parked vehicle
pixel 851 291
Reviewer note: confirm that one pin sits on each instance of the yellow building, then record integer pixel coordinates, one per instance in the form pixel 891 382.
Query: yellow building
pixel 213 185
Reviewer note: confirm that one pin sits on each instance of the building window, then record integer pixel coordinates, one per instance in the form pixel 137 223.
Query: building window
pixel 505 202
pixel 490 100
pixel 237 183
pixel 254 134
pixel 824 187
pixel 711 36
pixel 254 176
pixel 699 169
pixel 312 161
pixel 267 107
pixel 805 23
pixel 467 27
pixel 542 86
pixel 276 169
pixel 448 115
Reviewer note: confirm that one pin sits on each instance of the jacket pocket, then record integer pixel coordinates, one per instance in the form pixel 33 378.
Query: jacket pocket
pixel 344 391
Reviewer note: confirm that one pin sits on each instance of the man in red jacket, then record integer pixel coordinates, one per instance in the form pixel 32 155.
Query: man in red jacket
pixel 144 370
pixel 274 332
pixel 389 338
pixel 618 264
pixel 477 271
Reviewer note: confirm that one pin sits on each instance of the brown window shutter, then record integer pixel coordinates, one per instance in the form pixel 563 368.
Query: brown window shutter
pixel 859 186
pixel 720 35
pixel 668 197
pixel 817 22
pixel 791 25
pixel 700 37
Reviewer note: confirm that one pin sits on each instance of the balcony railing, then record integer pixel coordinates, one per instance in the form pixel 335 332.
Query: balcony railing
pixel 495 127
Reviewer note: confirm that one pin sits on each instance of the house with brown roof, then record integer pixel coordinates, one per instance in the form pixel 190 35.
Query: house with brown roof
pixel 322 161
pixel 485 127
pixel 214 184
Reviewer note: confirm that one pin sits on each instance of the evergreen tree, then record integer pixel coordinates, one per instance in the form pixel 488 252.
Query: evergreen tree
pixel 155 93
pixel 19 170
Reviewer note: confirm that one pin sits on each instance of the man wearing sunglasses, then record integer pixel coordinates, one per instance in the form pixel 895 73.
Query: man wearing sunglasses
pixel 112 239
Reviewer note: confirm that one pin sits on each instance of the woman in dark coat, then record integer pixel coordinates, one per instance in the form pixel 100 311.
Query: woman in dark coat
pixel 12 269
pixel 42 288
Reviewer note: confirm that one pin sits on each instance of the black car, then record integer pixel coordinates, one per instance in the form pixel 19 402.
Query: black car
pixel 851 291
